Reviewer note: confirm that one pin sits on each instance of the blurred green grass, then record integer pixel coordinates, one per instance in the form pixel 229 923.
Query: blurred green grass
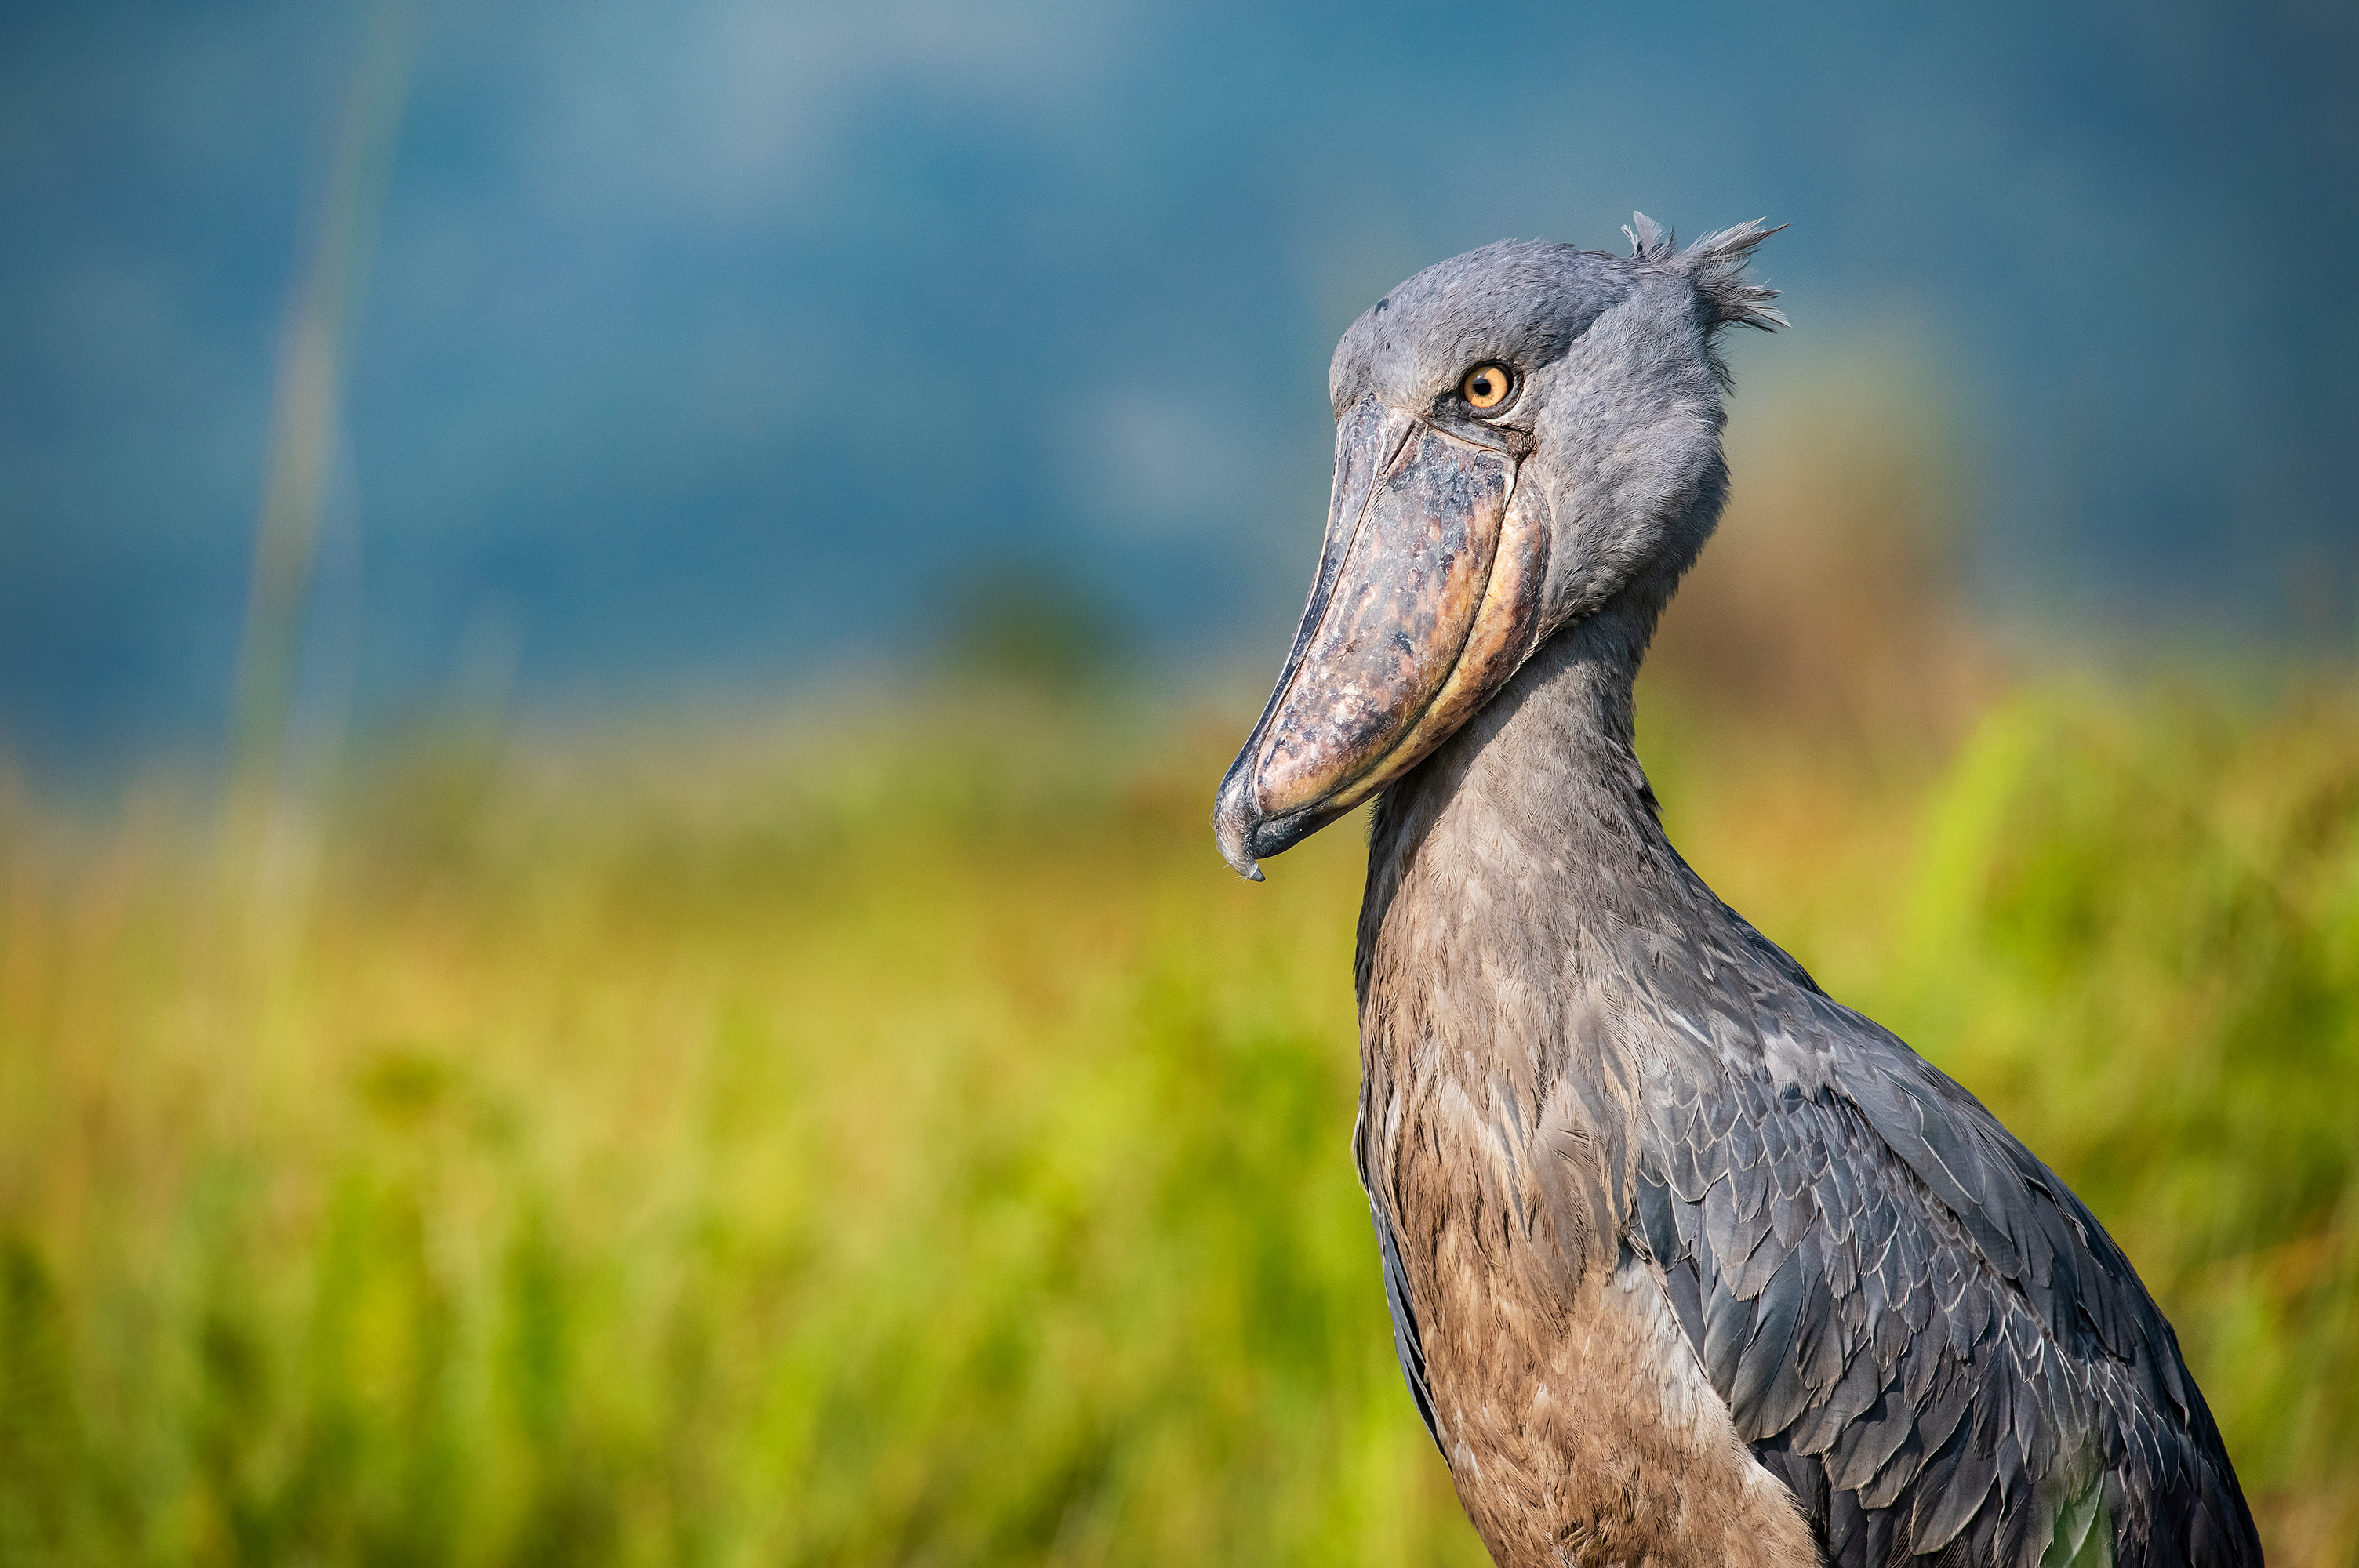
pixel 904 1145
pixel 898 1141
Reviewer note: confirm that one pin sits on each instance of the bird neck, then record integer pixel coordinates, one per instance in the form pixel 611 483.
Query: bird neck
pixel 1532 832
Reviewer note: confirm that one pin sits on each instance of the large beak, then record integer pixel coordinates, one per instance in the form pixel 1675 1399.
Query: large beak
pixel 1427 600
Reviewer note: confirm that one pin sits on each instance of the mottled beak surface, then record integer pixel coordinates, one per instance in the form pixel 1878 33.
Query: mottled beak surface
pixel 1426 600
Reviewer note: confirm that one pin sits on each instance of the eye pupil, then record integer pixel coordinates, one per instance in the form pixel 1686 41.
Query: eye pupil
pixel 1485 386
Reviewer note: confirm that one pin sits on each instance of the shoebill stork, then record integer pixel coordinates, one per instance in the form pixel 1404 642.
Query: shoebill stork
pixel 1688 1262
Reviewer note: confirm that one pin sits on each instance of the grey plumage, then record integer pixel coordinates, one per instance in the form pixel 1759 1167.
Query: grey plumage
pixel 1594 1098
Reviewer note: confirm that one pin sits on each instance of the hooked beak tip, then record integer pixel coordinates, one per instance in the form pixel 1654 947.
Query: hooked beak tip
pixel 1234 820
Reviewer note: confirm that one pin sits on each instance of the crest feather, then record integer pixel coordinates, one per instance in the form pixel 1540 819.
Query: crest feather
pixel 1714 266
pixel 1649 241
pixel 1715 263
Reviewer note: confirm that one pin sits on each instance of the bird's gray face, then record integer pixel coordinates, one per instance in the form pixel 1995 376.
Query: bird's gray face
pixel 1518 433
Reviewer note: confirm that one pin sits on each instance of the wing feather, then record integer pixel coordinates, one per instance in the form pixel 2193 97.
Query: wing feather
pixel 1913 1322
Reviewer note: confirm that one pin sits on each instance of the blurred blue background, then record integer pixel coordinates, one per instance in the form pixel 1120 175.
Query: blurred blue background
pixel 707 348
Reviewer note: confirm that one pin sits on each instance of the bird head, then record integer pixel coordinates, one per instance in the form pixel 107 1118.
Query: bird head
pixel 1524 436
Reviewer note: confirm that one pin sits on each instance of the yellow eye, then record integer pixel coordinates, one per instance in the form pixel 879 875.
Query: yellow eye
pixel 1485 386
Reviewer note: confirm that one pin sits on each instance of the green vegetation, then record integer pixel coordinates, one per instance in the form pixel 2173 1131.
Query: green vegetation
pixel 904 1143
